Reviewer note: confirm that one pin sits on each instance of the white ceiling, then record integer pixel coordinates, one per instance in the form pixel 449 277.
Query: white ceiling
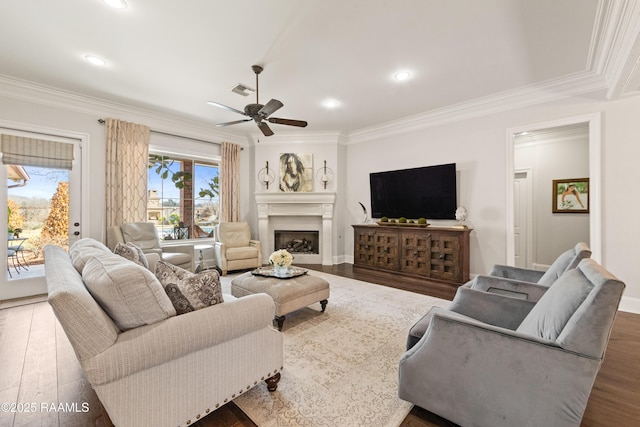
pixel 172 57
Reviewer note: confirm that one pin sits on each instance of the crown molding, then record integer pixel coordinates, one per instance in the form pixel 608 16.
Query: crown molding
pixel 615 45
pixel 23 90
pixel 551 90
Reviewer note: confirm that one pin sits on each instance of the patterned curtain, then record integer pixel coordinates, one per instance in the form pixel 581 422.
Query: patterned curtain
pixel 126 172
pixel 230 183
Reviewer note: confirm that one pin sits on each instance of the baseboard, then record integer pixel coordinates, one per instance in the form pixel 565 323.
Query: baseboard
pixel 630 304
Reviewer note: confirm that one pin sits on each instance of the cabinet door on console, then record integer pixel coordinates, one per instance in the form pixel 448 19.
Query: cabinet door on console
pixel 364 245
pixel 414 252
pixel 386 250
pixel 445 256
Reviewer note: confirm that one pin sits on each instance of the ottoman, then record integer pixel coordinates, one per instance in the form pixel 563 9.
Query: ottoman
pixel 289 295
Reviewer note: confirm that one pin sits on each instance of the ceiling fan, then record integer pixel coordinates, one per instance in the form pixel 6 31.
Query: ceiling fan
pixel 260 113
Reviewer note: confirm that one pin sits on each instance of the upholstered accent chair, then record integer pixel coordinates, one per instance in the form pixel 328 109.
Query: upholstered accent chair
pixel 525 283
pixel 145 236
pixel 234 249
pixel 493 360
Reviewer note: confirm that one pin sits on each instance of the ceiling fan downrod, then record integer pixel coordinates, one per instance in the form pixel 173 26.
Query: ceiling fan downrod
pixel 257 69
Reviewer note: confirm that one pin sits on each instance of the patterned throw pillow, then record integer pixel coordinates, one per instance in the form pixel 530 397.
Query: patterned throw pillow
pixel 189 291
pixel 132 253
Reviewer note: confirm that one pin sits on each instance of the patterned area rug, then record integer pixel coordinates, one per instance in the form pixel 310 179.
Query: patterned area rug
pixel 341 366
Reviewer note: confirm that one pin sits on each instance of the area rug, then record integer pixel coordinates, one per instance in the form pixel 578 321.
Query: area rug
pixel 341 366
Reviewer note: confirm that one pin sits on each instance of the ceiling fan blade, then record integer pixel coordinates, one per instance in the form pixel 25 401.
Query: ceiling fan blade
pixel 226 107
pixel 290 122
pixel 270 108
pixel 235 122
pixel 266 130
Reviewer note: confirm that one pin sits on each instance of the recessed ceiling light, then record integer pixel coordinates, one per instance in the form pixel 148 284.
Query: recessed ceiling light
pixel 402 75
pixel 95 60
pixel 331 103
pixel 116 4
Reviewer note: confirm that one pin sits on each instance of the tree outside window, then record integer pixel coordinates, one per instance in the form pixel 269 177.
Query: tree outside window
pixel 184 196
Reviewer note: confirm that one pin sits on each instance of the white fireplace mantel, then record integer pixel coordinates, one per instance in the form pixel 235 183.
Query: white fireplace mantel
pixel 297 206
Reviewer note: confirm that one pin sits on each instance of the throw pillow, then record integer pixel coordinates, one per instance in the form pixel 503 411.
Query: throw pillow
pixel 132 253
pixel 189 291
pixel 129 293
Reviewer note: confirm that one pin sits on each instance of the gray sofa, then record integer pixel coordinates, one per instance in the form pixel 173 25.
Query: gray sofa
pixel 172 370
pixel 492 360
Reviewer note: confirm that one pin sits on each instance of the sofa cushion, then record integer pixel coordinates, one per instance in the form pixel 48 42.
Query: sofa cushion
pixel 132 253
pixel 129 293
pixel 84 249
pixel 247 252
pixel 189 291
pixel 176 258
pixel 549 316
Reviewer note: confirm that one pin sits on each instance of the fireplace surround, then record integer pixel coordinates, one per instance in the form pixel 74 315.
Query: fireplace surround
pixel 297 212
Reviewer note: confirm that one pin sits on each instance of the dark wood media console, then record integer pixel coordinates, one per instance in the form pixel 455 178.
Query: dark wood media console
pixel 434 253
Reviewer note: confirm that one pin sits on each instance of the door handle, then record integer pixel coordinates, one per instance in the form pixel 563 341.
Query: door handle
pixel 76 233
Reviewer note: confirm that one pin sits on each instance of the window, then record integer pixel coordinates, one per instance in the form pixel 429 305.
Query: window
pixel 183 196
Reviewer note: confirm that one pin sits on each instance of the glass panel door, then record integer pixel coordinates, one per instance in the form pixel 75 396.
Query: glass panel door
pixel 43 207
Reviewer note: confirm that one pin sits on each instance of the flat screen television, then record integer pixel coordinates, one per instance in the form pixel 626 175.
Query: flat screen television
pixel 426 192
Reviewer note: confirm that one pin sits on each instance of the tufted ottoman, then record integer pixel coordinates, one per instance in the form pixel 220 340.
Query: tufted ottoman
pixel 288 294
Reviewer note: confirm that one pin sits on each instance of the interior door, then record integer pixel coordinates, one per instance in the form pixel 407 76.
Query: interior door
pixel 42 198
pixel 522 221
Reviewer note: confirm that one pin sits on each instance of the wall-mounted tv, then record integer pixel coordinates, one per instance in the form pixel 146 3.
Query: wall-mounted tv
pixel 425 192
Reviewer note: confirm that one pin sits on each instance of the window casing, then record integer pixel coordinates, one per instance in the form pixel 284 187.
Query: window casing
pixel 183 196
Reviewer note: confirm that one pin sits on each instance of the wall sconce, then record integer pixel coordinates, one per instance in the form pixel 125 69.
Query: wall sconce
pixel 266 175
pixel 324 175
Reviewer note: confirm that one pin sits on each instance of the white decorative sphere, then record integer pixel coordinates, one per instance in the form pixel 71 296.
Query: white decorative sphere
pixel 461 213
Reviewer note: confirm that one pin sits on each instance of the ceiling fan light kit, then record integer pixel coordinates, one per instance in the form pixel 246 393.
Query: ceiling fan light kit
pixel 259 113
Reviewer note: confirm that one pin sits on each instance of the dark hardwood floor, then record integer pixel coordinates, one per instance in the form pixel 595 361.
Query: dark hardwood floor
pixel 37 364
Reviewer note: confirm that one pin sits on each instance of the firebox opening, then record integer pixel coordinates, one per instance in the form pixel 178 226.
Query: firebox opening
pixel 297 242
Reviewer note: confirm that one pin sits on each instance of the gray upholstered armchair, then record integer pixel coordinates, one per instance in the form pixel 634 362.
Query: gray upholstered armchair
pixel 145 236
pixel 234 249
pixel 525 283
pixel 492 360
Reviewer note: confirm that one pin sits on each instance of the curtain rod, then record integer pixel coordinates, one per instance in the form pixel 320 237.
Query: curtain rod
pixel 102 121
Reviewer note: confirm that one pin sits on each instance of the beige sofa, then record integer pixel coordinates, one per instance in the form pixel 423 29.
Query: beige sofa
pixel 168 373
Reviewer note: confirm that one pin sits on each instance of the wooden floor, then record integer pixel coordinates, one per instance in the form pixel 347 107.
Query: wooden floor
pixel 37 365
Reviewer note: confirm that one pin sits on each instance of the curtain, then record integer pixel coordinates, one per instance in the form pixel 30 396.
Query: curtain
pixel 127 157
pixel 230 183
pixel 18 150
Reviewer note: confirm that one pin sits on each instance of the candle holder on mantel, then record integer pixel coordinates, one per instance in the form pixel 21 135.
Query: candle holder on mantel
pixel 324 176
pixel 266 175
